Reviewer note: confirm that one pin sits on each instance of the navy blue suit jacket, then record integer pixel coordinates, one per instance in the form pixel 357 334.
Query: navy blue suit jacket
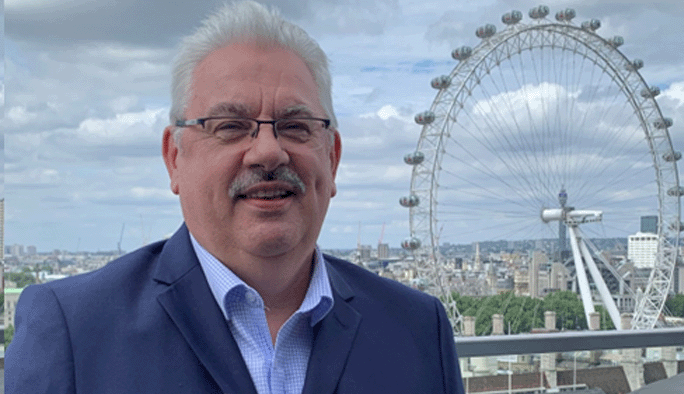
pixel 148 323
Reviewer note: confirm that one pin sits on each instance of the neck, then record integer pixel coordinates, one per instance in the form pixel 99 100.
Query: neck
pixel 282 282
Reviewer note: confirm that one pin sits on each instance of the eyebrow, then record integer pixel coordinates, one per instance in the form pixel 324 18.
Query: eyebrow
pixel 294 111
pixel 241 110
pixel 229 109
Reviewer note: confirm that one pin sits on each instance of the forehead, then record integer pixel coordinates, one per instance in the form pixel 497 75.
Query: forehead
pixel 258 79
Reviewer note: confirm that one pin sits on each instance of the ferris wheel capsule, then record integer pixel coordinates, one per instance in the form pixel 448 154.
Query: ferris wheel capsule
pixel 425 117
pixel 676 191
pixel 651 92
pixel 511 18
pixel 539 12
pixel 591 25
pixel 565 15
pixel 462 53
pixel 410 243
pixel 672 156
pixel 663 123
pixel 616 41
pixel 441 82
pixel 414 158
pixel 409 201
pixel 485 31
pixel 636 64
pixel 679 227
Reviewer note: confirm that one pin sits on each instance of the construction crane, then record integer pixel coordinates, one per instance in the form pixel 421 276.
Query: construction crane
pixel 118 244
pixel 382 233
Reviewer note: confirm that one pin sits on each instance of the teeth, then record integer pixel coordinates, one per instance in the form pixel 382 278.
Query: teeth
pixel 269 194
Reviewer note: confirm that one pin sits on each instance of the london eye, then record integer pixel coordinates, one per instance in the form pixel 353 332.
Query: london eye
pixel 541 128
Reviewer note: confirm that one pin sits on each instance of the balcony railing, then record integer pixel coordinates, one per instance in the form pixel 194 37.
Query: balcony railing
pixel 567 341
pixel 542 374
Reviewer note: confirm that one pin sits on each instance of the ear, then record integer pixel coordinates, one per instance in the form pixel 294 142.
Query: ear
pixel 170 151
pixel 335 155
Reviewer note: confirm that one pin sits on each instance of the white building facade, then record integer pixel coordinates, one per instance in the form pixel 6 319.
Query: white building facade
pixel 642 249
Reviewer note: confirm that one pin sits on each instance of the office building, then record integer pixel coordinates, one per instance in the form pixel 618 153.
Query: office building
pixel 642 249
pixel 649 224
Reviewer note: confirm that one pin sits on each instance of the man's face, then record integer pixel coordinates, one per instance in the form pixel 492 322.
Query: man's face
pixel 265 218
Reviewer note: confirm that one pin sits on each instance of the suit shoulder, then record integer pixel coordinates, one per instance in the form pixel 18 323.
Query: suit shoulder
pixel 115 274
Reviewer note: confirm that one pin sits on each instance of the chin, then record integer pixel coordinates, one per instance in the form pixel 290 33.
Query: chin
pixel 273 245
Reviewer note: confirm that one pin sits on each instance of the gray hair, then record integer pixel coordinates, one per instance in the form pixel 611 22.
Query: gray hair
pixel 238 22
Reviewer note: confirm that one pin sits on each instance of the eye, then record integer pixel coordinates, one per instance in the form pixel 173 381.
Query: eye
pixel 230 129
pixel 296 129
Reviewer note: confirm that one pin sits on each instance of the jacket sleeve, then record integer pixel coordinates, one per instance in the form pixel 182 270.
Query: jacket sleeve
pixel 39 359
pixel 450 368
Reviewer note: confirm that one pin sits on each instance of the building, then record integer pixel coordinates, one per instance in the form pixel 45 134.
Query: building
pixel 364 252
pixel 539 258
pixel 17 250
pixel 2 230
pixel 383 251
pixel 11 298
pixel 642 249
pixel 649 224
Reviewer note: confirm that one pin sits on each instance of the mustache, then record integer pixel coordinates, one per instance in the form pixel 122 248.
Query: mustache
pixel 257 175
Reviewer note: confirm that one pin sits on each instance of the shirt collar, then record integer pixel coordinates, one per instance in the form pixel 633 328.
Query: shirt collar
pixel 317 302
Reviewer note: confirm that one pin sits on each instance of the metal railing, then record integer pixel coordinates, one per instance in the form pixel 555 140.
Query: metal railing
pixel 567 341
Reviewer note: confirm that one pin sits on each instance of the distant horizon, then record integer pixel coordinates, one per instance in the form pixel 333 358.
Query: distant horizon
pixel 374 246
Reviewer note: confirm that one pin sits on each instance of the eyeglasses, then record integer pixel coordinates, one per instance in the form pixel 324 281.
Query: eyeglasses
pixel 233 130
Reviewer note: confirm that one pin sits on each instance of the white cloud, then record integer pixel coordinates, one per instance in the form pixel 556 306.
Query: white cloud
pixel 676 92
pixel 123 128
pixel 20 116
pixel 152 193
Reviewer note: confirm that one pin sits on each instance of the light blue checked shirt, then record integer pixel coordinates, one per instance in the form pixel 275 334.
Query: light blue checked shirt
pixel 274 370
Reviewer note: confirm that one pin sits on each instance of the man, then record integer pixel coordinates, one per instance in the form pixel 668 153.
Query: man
pixel 239 300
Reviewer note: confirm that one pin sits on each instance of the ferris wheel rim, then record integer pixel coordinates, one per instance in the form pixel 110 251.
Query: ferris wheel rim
pixel 669 238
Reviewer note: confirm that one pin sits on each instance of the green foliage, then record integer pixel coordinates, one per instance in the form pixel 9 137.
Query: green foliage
pixel 22 279
pixel 569 310
pixel 522 314
pixel 676 305
pixel 9 334
pixel 2 302
pixel 606 322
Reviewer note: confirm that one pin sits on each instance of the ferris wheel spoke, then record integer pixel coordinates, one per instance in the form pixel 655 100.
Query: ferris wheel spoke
pixel 485 168
pixel 537 117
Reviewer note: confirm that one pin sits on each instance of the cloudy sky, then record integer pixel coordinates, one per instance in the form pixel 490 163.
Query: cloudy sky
pixel 86 87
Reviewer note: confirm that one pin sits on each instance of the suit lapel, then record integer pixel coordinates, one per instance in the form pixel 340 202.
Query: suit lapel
pixel 333 339
pixel 192 308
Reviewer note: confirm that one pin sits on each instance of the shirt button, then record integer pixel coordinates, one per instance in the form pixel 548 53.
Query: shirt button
pixel 251 299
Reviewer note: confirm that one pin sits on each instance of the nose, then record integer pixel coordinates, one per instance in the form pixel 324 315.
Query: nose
pixel 266 151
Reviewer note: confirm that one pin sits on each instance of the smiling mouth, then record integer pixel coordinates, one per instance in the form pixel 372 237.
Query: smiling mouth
pixel 267 195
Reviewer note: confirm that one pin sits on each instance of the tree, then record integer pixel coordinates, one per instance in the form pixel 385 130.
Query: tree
pixel 9 334
pixel 676 305
pixel 22 279
pixel 569 310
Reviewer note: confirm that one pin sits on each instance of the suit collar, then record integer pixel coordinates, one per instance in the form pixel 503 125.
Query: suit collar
pixel 193 310
pixel 206 332
pixel 333 339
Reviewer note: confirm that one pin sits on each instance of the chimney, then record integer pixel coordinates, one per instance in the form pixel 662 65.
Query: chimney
pixel 594 321
pixel 469 326
pixel 497 324
pixel 550 320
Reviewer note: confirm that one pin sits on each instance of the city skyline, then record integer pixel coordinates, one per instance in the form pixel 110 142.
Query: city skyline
pixel 86 103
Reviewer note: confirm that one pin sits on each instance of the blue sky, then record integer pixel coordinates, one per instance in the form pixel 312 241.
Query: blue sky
pixel 86 99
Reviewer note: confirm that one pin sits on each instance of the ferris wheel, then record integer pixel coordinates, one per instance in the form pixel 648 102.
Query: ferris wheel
pixel 542 129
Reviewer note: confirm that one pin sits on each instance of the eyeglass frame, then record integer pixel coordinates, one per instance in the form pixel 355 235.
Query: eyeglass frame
pixel 254 134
